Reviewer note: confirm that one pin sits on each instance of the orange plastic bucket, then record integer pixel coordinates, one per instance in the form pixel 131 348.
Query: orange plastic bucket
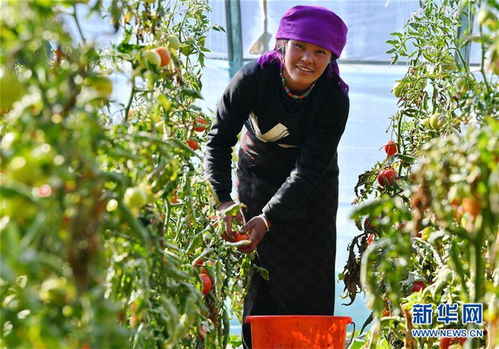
pixel 298 331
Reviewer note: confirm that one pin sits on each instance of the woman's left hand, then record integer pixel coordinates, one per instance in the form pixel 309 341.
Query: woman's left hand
pixel 256 228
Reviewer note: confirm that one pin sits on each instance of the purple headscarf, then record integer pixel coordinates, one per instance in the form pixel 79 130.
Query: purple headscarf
pixel 316 25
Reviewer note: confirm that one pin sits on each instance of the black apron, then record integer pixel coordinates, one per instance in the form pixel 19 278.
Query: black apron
pixel 299 254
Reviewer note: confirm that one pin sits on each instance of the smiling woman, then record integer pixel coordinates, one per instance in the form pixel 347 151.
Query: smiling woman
pixel 304 63
pixel 294 107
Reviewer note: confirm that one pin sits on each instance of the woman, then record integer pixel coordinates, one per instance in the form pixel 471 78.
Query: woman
pixel 294 107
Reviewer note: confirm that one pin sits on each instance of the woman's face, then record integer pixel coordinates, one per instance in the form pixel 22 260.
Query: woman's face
pixel 304 63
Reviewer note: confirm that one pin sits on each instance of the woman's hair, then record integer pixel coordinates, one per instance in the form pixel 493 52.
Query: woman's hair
pixel 276 56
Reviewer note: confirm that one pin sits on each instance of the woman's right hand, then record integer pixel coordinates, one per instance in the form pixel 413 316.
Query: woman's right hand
pixel 228 234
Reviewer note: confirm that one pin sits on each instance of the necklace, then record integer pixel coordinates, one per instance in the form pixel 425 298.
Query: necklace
pixel 291 94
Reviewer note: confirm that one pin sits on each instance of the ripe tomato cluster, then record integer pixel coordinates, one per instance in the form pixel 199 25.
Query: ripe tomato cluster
pixel 192 144
pixel 446 342
pixel 241 237
pixel 387 177
pixel 391 148
pixel 203 275
pixel 418 286
pixel 207 283
pixel 200 125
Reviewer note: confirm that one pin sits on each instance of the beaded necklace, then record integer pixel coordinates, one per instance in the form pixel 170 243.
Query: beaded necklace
pixel 291 94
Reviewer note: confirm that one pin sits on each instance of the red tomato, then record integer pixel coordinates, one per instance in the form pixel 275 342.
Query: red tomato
pixel 388 176
pixel 447 341
pixel 370 238
pixel 391 148
pixel 241 236
pixel 471 206
pixel 174 199
pixel 207 283
pixel 164 53
pixel 418 286
pixel 192 144
pixel 387 312
pixel 199 262
pixel 198 126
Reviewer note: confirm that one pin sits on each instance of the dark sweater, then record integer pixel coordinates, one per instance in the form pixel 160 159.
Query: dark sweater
pixel 308 136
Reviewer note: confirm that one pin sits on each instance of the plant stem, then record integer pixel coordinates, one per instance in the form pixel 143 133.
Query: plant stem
pixel 75 16
pixel 130 100
pixel 482 70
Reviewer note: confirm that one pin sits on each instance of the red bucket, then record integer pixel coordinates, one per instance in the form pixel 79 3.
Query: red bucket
pixel 298 331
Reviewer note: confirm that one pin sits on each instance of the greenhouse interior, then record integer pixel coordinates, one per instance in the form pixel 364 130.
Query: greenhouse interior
pixel 135 213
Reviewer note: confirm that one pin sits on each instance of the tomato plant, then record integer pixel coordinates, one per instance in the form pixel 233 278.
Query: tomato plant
pixel 436 225
pixel 103 204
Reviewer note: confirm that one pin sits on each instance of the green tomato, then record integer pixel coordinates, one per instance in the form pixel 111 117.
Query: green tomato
pixel 398 88
pixel 102 85
pixel 152 57
pixel 24 169
pixel 173 41
pixel 11 89
pixel 165 103
pixel 186 49
pixel 43 154
pixel 9 139
pixel 57 290
pixel 436 122
pixel 461 84
pixel 425 233
pixel 135 197
pixel 18 208
pixel 494 64
pixel 425 122
pixel 449 64
pixel 487 18
pixel 67 311
pixel 111 205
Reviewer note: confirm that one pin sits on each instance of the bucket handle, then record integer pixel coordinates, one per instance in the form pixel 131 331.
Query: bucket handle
pixel 353 334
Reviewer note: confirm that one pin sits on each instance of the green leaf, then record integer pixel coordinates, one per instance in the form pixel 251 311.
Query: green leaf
pixel 218 28
pixel 191 93
pixel 128 48
pixel 407 158
pixel 358 343
pixel 165 103
pixel 264 273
